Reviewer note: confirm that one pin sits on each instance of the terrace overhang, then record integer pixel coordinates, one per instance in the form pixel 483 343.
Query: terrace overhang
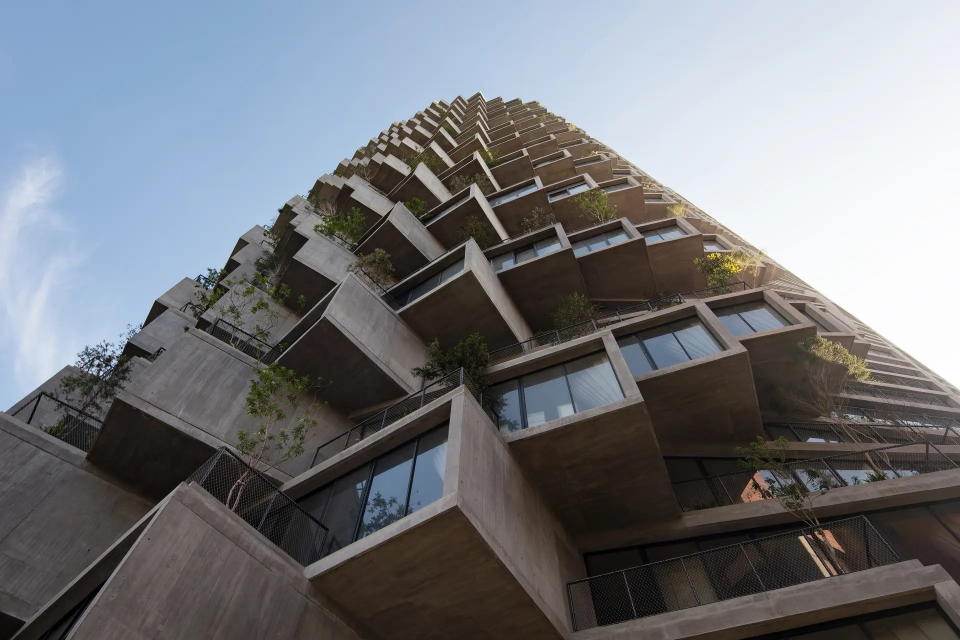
pixel 512 168
pixel 410 245
pixel 618 272
pixel 421 184
pixel 468 208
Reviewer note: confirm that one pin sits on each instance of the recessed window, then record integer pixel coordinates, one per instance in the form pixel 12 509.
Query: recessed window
pixel 573 189
pixel 556 157
pixel 433 282
pixel 556 392
pixel 620 186
pixel 528 252
pixel 822 327
pixel 589 160
pixel 664 233
pixel 668 345
pixel 380 492
pixel 713 245
pixel 601 241
pixel 753 317
pixel 513 195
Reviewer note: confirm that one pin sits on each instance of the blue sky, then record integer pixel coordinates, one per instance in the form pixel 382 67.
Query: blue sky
pixel 138 142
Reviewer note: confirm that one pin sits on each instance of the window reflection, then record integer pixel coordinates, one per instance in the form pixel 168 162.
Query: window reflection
pixel 753 317
pixel 668 345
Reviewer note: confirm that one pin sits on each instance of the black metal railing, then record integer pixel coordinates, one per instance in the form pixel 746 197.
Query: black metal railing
pixel 604 319
pixel 876 376
pixel 879 432
pixel 254 497
pixel 895 416
pixel 839 470
pixel 244 341
pixel 897 395
pixel 61 420
pixel 774 562
pixel 387 416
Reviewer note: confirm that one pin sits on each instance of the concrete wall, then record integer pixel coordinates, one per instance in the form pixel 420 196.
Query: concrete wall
pixel 59 513
pixel 204 573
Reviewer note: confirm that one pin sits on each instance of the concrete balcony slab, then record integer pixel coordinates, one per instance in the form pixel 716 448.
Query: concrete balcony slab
pixel 410 245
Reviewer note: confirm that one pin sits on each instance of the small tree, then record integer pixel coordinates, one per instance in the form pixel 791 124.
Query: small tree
pixel 104 370
pixel 238 302
pixel 595 205
pixel 537 219
pixel 480 230
pixel 416 206
pixel 413 158
pixel 347 226
pixel 676 209
pixel 471 354
pixel 276 394
pixel 376 266
pixel 449 129
pixel 459 182
pixel 722 269
pixel 573 311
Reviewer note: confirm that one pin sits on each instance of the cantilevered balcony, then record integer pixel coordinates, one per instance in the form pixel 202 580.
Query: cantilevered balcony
pixel 472 168
pixel 537 269
pixel 554 167
pixel 514 203
pixel 610 248
pixel 360 194
pixel 599 167
pixel 59 419
pixel 410 245
pixel 673 246
pixel 727 572
pixel 576 423
pixel 391 172
pixel 421 185
pixel 512 168
pixel 467 209
pixel 351 336
pixel 456 295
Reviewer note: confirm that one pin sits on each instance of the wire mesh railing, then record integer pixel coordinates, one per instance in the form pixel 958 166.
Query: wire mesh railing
pixel 388 415
pixel 879 432
pixel 811 475
pixel 774 562
pixel 61 420
pixel 252 496
pixel 244 341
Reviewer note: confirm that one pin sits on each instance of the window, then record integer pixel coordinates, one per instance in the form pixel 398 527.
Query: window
pixel 513 195
pixel 753 317
pixel 570 144
pixel 668 345
pixel 380 492
pixel 528 252
pixel 589 160
pixel 553 157
pixel 713 245
pixel 601 241
pixel 664 233
pixel 433 282
pixel 445 210
pixel 820 326
pixel 557 392
pixel 653 198
pixel 610 188
pixel 568 191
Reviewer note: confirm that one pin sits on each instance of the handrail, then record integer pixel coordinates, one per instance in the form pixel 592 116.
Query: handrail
pixel 877 464
pixel 254 497
pixel 249 344
pixel 75 430
pixel 388 415
pixel 882 432
pixel 772 562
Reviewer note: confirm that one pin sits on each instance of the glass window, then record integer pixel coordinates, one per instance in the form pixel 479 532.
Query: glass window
pixel 513 195
pixel 427 485
pixel 713 245
pixel 528 252
pixel 599 241
pixel 617 187
pixel 654 236
pixel 752 317
pixel 568 191
pixel 388 490
pixel 555 392
pixel 667 345
pixel 434 281
pixel 344 508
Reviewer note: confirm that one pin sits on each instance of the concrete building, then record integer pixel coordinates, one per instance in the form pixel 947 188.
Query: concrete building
pixel 586 484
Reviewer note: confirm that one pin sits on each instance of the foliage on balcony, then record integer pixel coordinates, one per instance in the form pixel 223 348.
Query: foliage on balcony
pixel 103 370
pixel 413 158
pixel 477 228
pixel 416 206
pixel 573 309
pixel 459 182
pixel 347 226
pixel 377 266
pixel 538 218
pixel 490 156
pixel 471 354
pixel 595 205
pixel 723 268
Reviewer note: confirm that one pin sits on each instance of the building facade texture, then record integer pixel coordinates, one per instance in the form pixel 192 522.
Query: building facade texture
pixel 506 384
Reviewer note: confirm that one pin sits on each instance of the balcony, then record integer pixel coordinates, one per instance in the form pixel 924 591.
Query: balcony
pixel 447 221
pixel 512 168
pixel 599 167
pixel 554 167
pixel 359 193
pixel 732 571
pixel 537 270
pixel 391 172
pixel 673 245
pixel 614 248
pixel 875 464
pixel 513 204
pixel 59 419
pixel 352 335
pixel 471 166
pixel 456 295
pixel 404 237
pixel 421 184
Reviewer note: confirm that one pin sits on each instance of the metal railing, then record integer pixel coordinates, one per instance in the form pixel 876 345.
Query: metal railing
pixel 839 470
pixel 603 319
pixel 61 420
pixel 254 497
pixel 387 416
pixel 895 416
pixel 865 432
pixel 897 395
pixel 774 562
pixel 244 341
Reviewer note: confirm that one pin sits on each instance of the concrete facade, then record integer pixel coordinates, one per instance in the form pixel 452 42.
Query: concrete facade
pixel 452 507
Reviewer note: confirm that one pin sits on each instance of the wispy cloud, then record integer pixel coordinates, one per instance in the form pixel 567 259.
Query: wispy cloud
pixel 37 258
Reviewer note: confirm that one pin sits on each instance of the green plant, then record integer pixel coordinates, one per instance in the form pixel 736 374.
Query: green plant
pixel 480 230
pixel 276 394
pixel 722 268
pixel 433 162
pixel 103 371
pixel 595 205
pixel 471 354
pixel 416 206
pixel 820 349
pixel 449 129
pixel 537 219
pixel 377 266
pixel 347 226
pixel 490 156
pixel 459 182
pixel 676 209
pixel 573 309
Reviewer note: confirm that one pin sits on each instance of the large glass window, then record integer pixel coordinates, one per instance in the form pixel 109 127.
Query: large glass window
pixel 573 189
pixel 513 195
pixel 713 245
pixel 667 345
pixel 433 282
pixel 601 241
pixel 556 392
pixel 752 317
pixel 527 252
pixel 654 236
pixel 381 492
